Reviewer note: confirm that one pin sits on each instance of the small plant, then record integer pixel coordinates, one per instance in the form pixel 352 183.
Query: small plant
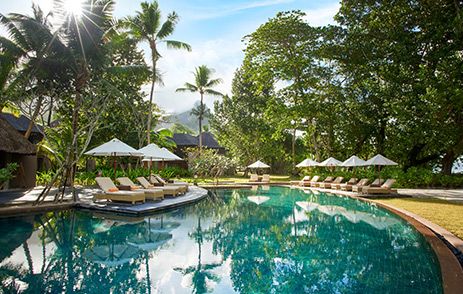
pixel 7 173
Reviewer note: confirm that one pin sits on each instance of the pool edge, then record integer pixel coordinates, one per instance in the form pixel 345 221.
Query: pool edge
pixel 451 269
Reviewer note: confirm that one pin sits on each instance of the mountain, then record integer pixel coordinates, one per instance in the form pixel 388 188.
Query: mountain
pixel 183 118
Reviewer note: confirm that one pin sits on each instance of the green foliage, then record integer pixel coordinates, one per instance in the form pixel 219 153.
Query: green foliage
pixel 7 173
pixel 379 82
pixel 88 178
pixel 209 162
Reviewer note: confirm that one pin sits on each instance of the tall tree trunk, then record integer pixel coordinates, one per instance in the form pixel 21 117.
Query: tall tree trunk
pixel 33 117
pixel 153 81
pixel 50 111
pixel 447 162
pixel 201 124
pixel 150 113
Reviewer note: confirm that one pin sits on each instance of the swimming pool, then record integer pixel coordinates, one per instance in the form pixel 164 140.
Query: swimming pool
pixel 274 240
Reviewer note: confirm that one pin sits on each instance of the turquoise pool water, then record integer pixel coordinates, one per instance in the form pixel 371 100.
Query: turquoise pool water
pixel 248 241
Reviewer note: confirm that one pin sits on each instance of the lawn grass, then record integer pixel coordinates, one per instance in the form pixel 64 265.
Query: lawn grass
pixel 443 213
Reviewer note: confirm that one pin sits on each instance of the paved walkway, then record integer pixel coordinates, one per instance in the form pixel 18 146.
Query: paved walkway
pixel 444 194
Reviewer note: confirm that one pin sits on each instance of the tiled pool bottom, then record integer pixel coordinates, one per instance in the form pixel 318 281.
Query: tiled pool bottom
pixel 267 241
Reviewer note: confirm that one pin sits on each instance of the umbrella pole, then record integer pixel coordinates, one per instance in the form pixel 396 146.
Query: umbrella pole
pixel 115 166
pixel 151 166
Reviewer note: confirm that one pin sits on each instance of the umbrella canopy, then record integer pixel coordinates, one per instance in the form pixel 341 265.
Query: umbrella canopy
pixel 152 151
pixel 115 147
pixel 353 161
pixel 163 155
pixel 379 160
pixel 258 164
pixel 330 162
pixel 307 163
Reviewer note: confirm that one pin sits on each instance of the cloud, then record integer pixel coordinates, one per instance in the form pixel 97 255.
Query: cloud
pixel 323 15
pixel 223 55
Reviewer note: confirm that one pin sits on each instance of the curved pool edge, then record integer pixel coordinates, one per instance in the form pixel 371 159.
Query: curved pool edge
pixel 451 269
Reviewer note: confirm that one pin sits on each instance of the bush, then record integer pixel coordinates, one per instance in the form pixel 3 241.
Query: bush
pixel 209 163
pixel 7 173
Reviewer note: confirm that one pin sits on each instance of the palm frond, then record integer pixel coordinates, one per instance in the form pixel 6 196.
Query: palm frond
pixel 213 93
pixel 214 82
pixel 177 45
pixel 187 87
pixel 168 26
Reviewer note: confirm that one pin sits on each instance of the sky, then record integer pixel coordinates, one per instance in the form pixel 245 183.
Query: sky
pixel 214 29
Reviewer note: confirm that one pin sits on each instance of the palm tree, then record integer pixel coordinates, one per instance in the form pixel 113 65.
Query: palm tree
pixel 201 111
pixel 146 26
pixel 30 45
pixel 203 84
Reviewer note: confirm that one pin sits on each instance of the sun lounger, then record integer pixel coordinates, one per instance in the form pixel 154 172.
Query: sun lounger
pixel 338 186
pixel 161 182
pixel 328 185
pixel 313 182
pixel 266 179
pixel 317 184
pixel 385 188
pixel 253 178
pixel 376 183
pixel 150 193
pixel 168 190
pixel 359 185
pixel 305 179
pixel 175 183
pixel 112 193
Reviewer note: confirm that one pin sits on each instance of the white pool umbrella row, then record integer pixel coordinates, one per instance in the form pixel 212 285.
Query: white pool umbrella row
pixel 117 148
pixel 377 160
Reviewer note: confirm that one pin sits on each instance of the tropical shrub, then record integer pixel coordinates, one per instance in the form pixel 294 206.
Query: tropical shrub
pixel 209 163
pixel 7 173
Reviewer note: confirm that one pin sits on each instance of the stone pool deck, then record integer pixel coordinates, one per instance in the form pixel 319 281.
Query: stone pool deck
pixel 21 202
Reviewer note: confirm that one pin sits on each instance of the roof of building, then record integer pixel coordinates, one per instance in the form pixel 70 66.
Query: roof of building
pixel 184 140
pixel 21 123
pixel 14 142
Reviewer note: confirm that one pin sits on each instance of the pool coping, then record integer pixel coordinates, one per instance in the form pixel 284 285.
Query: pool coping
pixel 194 194
pixel 450 267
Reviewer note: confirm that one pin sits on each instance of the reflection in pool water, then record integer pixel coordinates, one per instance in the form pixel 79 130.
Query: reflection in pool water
pixel 267 241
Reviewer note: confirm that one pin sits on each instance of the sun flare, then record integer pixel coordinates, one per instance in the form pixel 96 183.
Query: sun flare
pixel 73 7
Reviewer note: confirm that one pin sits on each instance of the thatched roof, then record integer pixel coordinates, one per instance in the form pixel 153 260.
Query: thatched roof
pixel 12 141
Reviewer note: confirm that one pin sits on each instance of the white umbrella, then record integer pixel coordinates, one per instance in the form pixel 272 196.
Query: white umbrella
pixel 307 163
pixel 330 162
pixel 353 161
pixel 114 148
pixel 258 164
pixel 379 160
pixel 152 152
pixel 163 155
pixel 258 199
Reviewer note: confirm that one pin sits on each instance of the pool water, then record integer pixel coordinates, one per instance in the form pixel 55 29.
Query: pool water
pixel 274 240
